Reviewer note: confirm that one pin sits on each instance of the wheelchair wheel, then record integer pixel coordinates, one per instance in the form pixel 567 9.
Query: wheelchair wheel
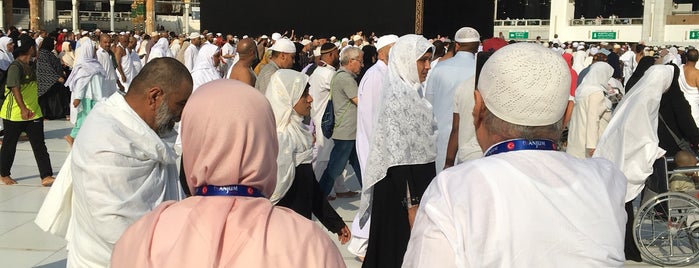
pixel 666 229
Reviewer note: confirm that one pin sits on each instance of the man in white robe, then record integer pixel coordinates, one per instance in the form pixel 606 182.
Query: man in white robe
pixel 319 90
pixel 369 94
pixel 479 214
pixel 689 82
pixel 190 54
pixel 104 56
pixel 443 82
pixel 121 167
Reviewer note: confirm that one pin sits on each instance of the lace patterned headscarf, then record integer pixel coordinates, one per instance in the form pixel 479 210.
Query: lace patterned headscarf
pixel 404 131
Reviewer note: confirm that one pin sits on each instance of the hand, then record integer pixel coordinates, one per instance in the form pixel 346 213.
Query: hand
pixel 27 114
pixel 123 79
pixel 590 152
pixel 61 80
pixel 76 102
pixel 344 235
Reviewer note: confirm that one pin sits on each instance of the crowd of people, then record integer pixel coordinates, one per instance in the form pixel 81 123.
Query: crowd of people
pixel 455 142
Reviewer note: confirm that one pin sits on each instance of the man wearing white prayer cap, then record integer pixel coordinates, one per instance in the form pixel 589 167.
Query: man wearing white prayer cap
pixel 480 213
pixel 441 88
pixel 369 94
pixel 283 52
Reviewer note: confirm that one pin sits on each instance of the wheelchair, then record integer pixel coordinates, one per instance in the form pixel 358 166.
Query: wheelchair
pixel 666 227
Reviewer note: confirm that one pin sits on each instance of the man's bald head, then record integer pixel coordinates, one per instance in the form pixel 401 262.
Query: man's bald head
pixel 246 46
pixel 166 73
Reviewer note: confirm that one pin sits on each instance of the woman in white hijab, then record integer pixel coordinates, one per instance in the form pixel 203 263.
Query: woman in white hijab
pixel 402 152
pixel 160 49
pixel 297 187
pixel 85 83
pixel 591 112
pixel 631 140
pixel 204 69
pixel 6 47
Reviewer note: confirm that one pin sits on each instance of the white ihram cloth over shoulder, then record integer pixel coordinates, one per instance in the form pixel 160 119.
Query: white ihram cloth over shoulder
pixel 116 180
pixel 161 49
pixel 190 57
pixel 468 147
pixel 295 144
pixel 86 71
pixel 691 94
pixel 369 94
pixel 590 113
pixel 404 133
pixel 320 92
pixel 631 138
pixel 479 214
pixel 204 70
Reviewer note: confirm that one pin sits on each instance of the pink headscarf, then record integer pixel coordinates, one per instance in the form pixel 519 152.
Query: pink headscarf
pixel 228 137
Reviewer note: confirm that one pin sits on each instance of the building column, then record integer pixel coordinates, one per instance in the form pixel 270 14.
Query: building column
pixel 561 14
pixel 50 20
pixel 150 16
pixel 111 15
pixel 76 15
pixel 655 14
pixel 35 15
pixel 2 15
pixel 186 16
pixel 8 17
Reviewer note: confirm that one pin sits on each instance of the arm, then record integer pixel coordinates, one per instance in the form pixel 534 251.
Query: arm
pixel 118 54
pixel 14 79
pixel 453 144
pixel 26 113
pixel 349 88
pixel 683 117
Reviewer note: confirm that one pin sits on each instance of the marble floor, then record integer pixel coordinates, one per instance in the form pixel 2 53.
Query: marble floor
pixel 23 244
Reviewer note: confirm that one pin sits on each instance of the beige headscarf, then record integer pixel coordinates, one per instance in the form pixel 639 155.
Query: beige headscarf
pixel 226 143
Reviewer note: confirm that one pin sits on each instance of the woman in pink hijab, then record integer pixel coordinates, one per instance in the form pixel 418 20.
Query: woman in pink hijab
pixel 230 152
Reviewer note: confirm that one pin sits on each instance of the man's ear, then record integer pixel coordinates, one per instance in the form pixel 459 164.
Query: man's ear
pixel 478 109
pixel 152 95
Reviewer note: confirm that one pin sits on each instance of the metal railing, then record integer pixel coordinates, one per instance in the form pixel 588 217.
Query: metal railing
pixel 606 21
pixel 523 22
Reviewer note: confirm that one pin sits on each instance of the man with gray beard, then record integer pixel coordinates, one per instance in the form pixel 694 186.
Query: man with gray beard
pixel 120 165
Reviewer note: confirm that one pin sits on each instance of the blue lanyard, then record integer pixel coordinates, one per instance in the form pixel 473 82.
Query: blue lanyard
pixel 521 144
pixel 228 190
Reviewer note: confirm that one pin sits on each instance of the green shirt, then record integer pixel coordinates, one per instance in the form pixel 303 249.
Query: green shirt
pixel 24 76
pixel 343 88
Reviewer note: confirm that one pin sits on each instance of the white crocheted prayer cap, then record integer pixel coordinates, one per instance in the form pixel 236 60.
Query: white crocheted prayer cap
pixel 467 35
pixel 284 45
pixel 386 40
pixel 525 84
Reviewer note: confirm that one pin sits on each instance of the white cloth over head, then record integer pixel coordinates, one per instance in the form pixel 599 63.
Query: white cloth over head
pixel 160 49
pixel 5 56
pixel 404 133
pixel 631 138
pixel 204 70
pixel 295 145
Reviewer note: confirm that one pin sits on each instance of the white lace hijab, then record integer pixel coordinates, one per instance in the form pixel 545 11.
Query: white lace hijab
pixel 597 79
pixel 295 146
pixel 404 129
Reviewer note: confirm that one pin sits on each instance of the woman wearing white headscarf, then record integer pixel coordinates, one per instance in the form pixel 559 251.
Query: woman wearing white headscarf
pixel 6 47
pixel 631 140
pixel 297 187
pixel 402 152
pixel 160 49
pixel 204 69
pixel 85 83
pixel 591 112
